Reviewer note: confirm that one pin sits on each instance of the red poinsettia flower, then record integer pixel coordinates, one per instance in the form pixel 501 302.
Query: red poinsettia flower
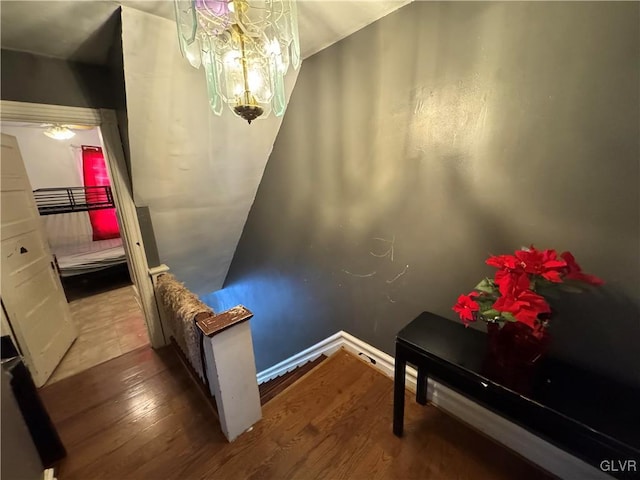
pixel 524 305
pixel 510 282
pixel 544 263
pixel 574 271
pixel 508 262
pixel 515 280
pixel 517 299
pixel 512 278
pixel 465 307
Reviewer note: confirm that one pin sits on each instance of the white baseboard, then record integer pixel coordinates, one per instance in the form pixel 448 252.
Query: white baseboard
pixel 535 449
pixel 327 346
pixel 530 446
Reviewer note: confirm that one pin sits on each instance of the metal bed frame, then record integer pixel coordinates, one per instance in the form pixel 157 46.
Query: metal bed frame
pixel 56 200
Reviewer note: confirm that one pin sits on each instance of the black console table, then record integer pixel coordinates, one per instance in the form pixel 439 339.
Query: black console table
pixel 589 416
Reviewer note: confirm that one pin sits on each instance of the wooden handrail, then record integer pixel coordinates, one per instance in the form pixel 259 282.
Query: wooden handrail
pixel 211 325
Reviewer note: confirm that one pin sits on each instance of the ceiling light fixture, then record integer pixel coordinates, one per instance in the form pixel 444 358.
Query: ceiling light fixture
pixel 59 132
pixel 245 47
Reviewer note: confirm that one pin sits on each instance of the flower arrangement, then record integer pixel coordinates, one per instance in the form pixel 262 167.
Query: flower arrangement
pixel 518 289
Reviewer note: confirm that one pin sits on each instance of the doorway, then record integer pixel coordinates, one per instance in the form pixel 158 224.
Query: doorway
pixel 72 190
pixel 133 243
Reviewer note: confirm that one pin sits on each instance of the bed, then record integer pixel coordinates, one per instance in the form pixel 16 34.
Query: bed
pixel 56 200
pixel 70 235
pixel 81 258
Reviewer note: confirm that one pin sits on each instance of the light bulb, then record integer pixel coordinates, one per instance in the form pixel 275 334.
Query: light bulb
pixel 255 80
pixel 58 132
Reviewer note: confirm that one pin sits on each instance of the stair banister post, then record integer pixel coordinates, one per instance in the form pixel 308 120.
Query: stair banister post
pixel 231 369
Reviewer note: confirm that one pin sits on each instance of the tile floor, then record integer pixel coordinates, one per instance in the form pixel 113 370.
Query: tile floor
pixel 109 324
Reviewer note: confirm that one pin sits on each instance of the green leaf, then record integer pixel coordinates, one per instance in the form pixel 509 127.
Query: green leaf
pixel 486 286
pixel 491 313
pixel 484 303
pixel 508 316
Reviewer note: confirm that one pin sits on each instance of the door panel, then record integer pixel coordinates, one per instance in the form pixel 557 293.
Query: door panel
pixel 30 288
pixel 15 209
pixel 22 251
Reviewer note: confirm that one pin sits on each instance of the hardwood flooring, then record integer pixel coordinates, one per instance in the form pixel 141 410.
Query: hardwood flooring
pixel 269 390
pixel 140 416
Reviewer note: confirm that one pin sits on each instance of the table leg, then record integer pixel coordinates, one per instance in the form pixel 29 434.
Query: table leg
pixel 421 387
pixel 398 393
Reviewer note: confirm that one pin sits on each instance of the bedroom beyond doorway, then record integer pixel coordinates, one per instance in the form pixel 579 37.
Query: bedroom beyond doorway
pixel 70 180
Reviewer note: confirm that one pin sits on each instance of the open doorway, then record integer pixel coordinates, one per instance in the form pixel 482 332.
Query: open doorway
pixel 75 200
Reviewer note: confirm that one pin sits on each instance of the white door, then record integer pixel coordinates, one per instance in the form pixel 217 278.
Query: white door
pixel 30 288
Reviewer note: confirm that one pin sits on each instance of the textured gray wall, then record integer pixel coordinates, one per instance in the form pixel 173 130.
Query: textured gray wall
pixel 449 131
pixel 198 173
pixel 116 73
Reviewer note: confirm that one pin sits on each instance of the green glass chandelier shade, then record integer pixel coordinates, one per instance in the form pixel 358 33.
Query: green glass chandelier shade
pixel 245 47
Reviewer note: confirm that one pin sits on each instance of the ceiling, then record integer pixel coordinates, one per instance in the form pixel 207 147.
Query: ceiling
pixel 83 30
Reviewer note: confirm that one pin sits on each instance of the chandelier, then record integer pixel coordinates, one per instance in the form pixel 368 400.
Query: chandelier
pixel 245 48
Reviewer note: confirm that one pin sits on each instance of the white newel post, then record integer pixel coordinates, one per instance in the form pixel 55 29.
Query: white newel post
pixel 231 371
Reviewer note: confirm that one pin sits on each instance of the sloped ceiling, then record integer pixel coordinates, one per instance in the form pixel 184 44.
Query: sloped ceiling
pixel 73 30
pixel 82 31
pixel 197 173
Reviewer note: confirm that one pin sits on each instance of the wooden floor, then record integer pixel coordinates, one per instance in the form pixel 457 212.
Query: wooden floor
pixel 269 390
pixel 140 417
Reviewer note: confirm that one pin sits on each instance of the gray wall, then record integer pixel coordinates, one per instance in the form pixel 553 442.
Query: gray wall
pixel 36 79
pixel 450 131
pixel 115 60
pixel 198 173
